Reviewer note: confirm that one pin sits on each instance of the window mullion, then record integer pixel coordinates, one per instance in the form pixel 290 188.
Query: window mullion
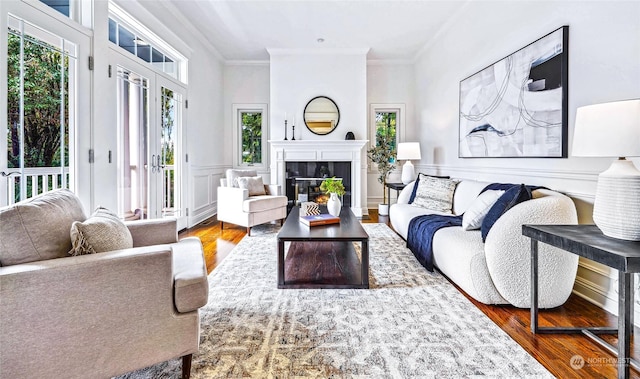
pixel 23 183
pixel 62 113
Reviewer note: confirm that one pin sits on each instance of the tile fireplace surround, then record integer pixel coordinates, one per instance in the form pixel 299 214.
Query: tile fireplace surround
pixel 331 151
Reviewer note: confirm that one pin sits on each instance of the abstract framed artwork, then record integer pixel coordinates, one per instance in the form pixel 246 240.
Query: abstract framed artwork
pixel 517 107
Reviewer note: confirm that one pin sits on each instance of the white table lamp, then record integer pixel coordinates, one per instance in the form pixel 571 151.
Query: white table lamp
pixel 408 151
pixel 613 130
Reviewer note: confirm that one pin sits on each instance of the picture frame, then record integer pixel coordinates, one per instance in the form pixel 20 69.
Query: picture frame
pixel 518 106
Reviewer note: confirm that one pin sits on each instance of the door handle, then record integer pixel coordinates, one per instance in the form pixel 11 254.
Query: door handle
pixel 153 163
pixel 8 174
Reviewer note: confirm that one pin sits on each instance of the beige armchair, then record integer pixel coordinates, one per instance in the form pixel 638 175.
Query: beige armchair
pixel 240 206
pixel 97 315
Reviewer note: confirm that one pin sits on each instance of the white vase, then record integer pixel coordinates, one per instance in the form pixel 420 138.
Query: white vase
pixel 383 209
pixel 334 205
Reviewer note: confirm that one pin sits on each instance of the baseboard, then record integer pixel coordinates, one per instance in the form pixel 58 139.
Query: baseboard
pixel 200 217
pixel 359 212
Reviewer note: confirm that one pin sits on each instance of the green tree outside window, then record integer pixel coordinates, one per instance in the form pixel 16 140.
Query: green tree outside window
pixel 45 106
pixel 386 124
pixel 251 137
pixel 45 80
pixel 168 146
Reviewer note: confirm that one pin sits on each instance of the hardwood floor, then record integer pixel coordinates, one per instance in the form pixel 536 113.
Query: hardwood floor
pixel 555 352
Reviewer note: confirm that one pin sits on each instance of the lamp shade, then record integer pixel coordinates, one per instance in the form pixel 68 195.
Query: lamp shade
pixel 613 130
pixel 607 130
pixel 408 151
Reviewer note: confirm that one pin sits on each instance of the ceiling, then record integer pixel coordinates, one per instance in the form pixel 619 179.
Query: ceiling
pixel 244 30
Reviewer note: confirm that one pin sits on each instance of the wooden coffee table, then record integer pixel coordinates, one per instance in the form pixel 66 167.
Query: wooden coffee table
pixel 323 256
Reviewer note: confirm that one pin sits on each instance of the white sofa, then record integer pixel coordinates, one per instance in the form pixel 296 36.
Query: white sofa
pixel 499 270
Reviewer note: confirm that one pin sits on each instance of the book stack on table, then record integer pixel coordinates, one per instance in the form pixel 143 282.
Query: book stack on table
pixel 321 219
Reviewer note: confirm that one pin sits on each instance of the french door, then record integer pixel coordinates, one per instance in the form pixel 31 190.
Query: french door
pixel 150 127
pixel 39 152
pixel 170 166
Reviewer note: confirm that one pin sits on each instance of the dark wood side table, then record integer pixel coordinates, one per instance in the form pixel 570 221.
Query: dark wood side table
pixel 396 186
pixel 588 241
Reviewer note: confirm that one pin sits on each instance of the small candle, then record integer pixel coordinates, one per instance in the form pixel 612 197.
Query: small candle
pixel 285 116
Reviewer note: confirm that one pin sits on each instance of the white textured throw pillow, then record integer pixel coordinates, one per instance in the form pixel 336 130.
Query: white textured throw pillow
pixel 472 218
pixel 253 184
pixel 435 194
pixel 233 175
pixel 103 231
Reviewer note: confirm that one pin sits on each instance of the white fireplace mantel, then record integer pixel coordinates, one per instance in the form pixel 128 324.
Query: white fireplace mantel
pixel 329 151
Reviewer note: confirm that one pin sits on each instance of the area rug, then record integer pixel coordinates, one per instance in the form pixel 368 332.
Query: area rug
pixel 409 324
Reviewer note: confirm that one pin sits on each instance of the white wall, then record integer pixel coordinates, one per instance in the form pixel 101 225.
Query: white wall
pixel 297 76
pixel 205 128
pixel 390 83
pixel 604 65
pixel 206 109
pixel 244 83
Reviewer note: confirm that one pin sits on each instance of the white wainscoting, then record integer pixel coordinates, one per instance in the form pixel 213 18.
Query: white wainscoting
pixel 204 184
pixel 595 283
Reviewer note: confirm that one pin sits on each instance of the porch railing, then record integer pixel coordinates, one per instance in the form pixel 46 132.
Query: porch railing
pixel 44 179
pixel 38 180
pixel 169 190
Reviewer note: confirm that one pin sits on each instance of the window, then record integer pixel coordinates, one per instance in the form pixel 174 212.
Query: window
pixel 250 138
pixel 77 10
pixel 138 46
pixel 62 6
pixel 251 125
pixel 171 122
pixel 40 104
pixel 387 119
pixel 129 34
pixel 386 125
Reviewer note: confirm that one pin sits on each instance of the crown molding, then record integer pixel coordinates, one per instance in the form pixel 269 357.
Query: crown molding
pixel 247 63
pixel 370 62
pixel 390 62
pixel 329 51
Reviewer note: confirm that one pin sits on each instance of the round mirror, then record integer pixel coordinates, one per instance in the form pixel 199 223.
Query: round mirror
pixel 321 115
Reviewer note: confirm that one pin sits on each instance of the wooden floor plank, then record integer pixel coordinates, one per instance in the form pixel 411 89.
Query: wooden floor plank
pixel 554 351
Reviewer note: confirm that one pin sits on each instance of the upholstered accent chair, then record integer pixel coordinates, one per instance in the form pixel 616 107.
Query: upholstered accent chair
pixel 95 315
pixel 243 200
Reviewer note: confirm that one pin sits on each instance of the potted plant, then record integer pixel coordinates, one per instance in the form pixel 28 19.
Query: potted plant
pixel 334 188
pixel 383 154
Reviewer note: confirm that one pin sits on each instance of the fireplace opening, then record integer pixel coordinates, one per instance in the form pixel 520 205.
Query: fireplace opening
pixel 303 179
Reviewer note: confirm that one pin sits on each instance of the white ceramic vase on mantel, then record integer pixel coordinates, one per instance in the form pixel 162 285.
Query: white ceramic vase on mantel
pixel 334 205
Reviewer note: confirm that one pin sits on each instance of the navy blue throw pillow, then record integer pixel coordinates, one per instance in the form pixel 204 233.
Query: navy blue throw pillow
pixel 415 186
pixel 513 196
